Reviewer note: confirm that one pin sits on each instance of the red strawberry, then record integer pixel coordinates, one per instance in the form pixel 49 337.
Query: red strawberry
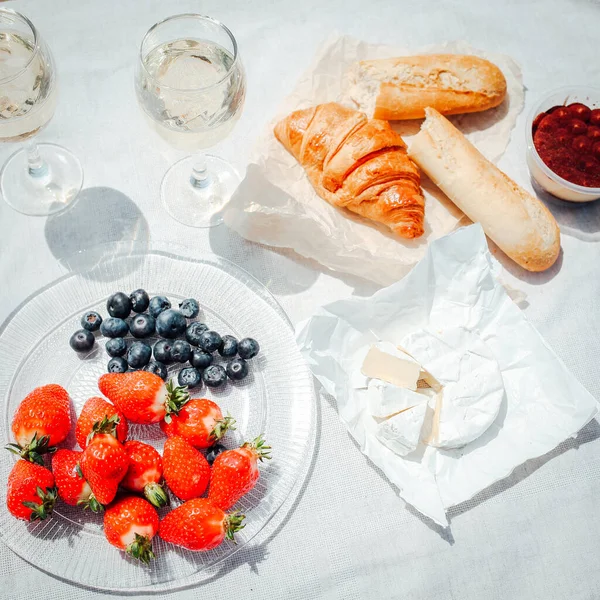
pixel 130 524
pixel 143 397
pixel 145 472
pixel 104 463
pixel 97 410
pixel 185 469
pixel 72 487
pixel 235 472
pixel 199 525
pixel 200 422
pixel 31 493
pixel 43 419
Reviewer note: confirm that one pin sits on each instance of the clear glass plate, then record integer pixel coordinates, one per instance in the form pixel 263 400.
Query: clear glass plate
pixel 276 399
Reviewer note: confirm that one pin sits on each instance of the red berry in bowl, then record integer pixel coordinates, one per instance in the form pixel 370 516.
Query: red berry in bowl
pixel 596 150
pixel 595 117
pixel 561 113
pixel 582 144
pixel 593 132
pixel 579 111
pixel 577 127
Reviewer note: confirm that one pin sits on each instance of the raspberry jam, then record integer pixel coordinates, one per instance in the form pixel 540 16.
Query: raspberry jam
pixel 567 139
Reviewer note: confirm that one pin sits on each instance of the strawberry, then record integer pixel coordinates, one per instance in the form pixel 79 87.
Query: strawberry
pixel 199 525
pixel 104 463
pixel 43 419
pixel 73 489
pixel 185 469
pixel 235 472
pixel 200 422
pixel 97 410
pixel 130 524
pixel 145 472
pixel 143 397
pixel 31 493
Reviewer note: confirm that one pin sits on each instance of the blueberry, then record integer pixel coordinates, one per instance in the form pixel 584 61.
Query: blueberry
pixel 117 365
pixel 228 347
pixel 158 304
pixel 157 368
pixel 193 332
pixel 213 452
pixel 162 351
pixel 118 305
pixel 248 348
pixel 214 376
pixel 142 326
pixel 200 359
pixel 138 355
pixel 237 369
pixel 116 347
pixel 170 323
pixel 181 351
pixel 82 340
pixel 91 321
pixel 189 377
pixel 139 301
pixel 113 328
pixel 209 341
pixel 189 308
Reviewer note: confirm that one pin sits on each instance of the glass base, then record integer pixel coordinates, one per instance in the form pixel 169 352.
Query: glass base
pixel 46 193
pixel 198 206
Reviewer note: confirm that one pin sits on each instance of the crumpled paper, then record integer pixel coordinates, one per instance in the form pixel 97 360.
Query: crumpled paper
pixel 276 205
pixel 453 286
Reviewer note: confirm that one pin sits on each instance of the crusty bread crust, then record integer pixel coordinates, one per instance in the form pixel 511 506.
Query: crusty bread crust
pixel 515 220
pixel 403 87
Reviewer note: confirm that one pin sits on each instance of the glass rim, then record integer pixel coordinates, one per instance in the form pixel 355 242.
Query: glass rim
pixel 202 18
pixel 36 48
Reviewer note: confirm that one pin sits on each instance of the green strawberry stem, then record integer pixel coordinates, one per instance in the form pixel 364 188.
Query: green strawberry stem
pixel 92 504
pixel 176 398
pixel 106 425
pixel 233 523
pixel 156 495
pixel 141 549
pixel 222 426
pixel 260 448
pixel 34 450
pixel 43 510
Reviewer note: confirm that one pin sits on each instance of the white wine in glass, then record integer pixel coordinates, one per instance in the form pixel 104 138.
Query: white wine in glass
pixel 42 178
pixel 191 86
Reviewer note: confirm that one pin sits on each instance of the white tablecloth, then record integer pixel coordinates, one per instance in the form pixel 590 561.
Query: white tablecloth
pixel 533 536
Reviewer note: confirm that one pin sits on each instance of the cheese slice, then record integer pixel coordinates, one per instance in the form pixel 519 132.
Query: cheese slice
pixel 386 362
pixel 401 433
pixel 386 399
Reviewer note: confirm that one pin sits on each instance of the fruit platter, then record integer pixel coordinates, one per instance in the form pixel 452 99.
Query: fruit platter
pixel 160 418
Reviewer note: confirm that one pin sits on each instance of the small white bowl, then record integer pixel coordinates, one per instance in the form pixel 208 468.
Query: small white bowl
pixel 541 173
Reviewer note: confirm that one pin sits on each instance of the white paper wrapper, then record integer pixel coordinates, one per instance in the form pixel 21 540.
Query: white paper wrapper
pixel 276 205
pixel 453 286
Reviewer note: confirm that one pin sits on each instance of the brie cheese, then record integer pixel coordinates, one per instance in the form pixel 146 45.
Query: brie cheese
pixel 472 385
pixel 386 399
pixel 386 362
pixel 402 432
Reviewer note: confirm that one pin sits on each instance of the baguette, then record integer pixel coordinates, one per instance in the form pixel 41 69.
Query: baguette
pixel 515 220
pixel 401 88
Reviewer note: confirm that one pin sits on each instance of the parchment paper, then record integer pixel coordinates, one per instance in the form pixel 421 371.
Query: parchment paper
pixel 276 205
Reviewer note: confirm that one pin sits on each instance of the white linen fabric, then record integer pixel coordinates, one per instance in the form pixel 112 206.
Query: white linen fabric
pixel 533 536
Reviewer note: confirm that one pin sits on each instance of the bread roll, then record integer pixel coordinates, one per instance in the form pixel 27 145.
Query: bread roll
pixel 401 88
pixel 516 221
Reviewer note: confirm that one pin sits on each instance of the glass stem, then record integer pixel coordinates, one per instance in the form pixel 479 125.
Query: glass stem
pixel 200 177
pixel 35 164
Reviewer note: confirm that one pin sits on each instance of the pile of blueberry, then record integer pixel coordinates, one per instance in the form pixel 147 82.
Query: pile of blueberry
pixel 198 348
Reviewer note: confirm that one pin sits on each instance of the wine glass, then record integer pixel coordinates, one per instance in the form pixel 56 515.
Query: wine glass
pixel 191 85
pixel 40 179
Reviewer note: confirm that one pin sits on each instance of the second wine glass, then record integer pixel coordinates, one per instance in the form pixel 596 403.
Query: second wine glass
pixel 191 86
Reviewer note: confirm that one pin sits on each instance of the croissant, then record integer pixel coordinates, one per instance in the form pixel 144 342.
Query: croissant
pixel 357 163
